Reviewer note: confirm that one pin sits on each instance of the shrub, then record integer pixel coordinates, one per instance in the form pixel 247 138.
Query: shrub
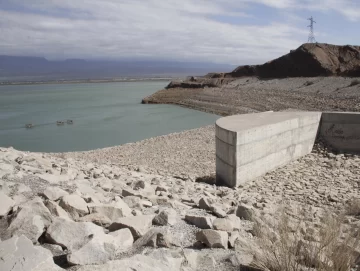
pixel 284 247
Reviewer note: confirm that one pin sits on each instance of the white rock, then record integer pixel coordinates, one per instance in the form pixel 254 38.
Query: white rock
pixel 138 225
pixel 6 204
pixel 122 238
pixel 54 193
pixel 138 263
pixel 72 235
pixel 56 210
pixel 19 254
pixel 74 205
pixel 213 239
pixel 245 212
pixel 113 211
pixel 233 236
pixel 202 222
pixel 223 224
pixel 96 218
pixel 30 219
pixel 166 217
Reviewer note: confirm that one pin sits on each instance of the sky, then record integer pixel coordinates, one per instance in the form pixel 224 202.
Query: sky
pixel 234 32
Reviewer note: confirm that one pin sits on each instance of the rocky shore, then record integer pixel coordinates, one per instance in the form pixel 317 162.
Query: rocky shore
pixel 86 211
pixel 231 96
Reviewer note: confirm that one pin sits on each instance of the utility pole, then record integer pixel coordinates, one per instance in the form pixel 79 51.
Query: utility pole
pixel 311 38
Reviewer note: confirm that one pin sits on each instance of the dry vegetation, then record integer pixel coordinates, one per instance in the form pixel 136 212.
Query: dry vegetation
pixel 290 245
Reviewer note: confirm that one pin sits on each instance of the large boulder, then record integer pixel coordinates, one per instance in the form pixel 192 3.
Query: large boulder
pixel 155 237
pixel 245 212
pixel 213 239
pixel 56 210
pixel 166 217
pixel 74 205
pixel 6 204
pixel 30 219
pixel 202 222
pixel 138 225
pixel 101 248
pixel 72 235
pixel 138 263
pixel 53 193
pixel 19 254
pixel 96 218
pixel 113 211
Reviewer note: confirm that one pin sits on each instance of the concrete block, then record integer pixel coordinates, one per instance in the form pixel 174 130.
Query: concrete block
pixel 248 146
pixel 341 130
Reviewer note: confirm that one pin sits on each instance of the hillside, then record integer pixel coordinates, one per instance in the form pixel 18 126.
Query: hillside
pixel 312 77
pixel 309 60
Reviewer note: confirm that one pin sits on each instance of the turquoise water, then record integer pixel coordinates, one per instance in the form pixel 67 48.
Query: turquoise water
pixel 104 115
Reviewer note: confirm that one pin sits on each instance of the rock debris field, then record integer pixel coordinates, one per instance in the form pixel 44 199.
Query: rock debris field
pixel 153 205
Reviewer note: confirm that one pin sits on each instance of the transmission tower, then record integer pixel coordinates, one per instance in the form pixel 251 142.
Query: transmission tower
pixel 311 38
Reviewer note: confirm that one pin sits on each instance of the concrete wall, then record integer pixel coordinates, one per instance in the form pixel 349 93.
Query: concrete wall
pixel 341 130
pixel 248 146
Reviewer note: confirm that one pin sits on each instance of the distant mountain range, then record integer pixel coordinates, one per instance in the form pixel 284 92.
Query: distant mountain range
pixel 28 68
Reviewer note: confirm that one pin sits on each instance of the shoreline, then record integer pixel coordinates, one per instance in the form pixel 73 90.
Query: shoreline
pixel 251 95
pixel 91 81
pixel 188 153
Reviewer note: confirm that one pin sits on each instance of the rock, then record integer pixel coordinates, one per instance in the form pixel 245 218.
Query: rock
pixel 233 236
pixel 213 239
pixel 126 192
pixel 113 211
pixel 98 250
pixel 74 205
pixel 144 188
pixel 202 222
pixel 132 201
pixel 56 210
pixel 19 254
pixel 6 204
pixel 236 222
pixel 136 213
pixel 30 219
pixel 54 193
pixel 71 235
pixel 161 189
pixel 205 203
pixel 154 238
pixel 138 225
pixel 223 224
pixel 138 263
pixel 245 212
pixel 97 219
pixel 123 238
pixel 166 217
pixel 146 203
pixel 218 211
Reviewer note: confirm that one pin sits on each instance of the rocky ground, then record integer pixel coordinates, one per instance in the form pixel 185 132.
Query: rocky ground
pixel 75 212
pixel 250 94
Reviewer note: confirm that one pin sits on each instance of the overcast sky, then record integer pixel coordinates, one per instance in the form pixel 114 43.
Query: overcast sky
pixel 223 31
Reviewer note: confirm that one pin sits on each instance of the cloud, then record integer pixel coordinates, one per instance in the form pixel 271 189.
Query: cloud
pixel 114 29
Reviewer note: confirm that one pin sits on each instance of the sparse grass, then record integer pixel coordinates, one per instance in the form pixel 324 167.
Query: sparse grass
pixel 289 246
pixel 355 82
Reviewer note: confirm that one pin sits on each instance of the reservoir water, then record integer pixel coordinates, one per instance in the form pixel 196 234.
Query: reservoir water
pixel 103 115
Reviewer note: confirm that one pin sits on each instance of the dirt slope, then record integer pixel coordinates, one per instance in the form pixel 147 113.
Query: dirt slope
pixel 309 60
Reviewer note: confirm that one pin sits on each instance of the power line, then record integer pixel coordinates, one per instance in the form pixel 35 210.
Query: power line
pixel 311 38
